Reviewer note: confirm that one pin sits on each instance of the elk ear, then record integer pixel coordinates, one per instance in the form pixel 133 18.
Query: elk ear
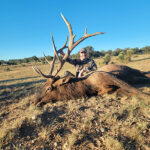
pixel 66 80
pixel 51 87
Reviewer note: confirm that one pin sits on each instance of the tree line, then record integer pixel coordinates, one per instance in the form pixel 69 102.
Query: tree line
pixel 123 54
pixel 25 60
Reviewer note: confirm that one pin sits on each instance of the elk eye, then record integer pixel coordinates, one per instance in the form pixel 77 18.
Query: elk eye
pixel 54 101
pixel 51 88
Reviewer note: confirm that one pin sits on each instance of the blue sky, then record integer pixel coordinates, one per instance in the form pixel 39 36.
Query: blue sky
pixel 25 25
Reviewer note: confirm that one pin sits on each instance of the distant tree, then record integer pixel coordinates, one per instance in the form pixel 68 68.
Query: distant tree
pixel 25 60
pixel 91 53
pixel 116 52
pixel 19 61
pixel 12 62
pixel 43 62
pixel 103 52
pixel 124 55
pixel 109 52
pixel 49 58
pixel 75 56
pixel 146 49
pixel 136 50
pixel 34 58
pixel 125 49
pixel 98 54
pixel 2 62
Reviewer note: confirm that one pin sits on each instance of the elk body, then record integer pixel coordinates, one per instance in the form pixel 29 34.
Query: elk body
pixel 130 75
pixel 110 78
pixel 96 83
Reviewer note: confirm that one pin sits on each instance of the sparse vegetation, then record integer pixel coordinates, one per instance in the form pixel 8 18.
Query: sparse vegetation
pixel 7 69
pixel 125 56
pixel 108 122
pixel 106 59
pixel 121 56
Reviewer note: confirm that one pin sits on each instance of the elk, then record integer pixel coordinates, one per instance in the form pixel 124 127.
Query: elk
pixel 127 74
pixel 110 78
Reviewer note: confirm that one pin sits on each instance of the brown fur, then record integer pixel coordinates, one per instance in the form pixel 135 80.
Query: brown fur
pixel 97 83
pixel 127 74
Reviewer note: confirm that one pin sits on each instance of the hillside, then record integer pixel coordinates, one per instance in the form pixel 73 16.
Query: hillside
pixel 110 122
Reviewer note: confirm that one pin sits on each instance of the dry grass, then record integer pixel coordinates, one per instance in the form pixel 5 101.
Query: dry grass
pixel 108 122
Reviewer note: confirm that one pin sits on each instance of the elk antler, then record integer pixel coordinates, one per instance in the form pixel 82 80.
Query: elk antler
pixel 73 44
pixel 36 69
pixel 70 47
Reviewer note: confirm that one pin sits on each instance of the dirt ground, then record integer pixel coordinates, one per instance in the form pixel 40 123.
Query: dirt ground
pixel 109 122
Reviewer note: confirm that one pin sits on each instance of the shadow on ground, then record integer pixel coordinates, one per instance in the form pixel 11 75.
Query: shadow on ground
pixel 12 92
pixel 3 81
pixel 141 59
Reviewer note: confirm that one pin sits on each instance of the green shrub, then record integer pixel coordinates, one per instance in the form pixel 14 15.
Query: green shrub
pixel 125 58
pixel 130 52
pixel 106 59
pixel 121 57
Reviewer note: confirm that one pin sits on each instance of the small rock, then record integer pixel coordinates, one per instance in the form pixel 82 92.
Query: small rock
pixel 34 117
pixel 102 130
pixel 55 144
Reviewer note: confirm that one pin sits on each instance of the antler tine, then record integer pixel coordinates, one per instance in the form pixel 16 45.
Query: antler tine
pixel 84 37
pixel 56 55
pixel 52 65
pixel 85 30
pixel 46 59
pixel 64 46
pixel 40 73
pixel 55 51
pixel 35 69
pixel 71 39
pixel 89 35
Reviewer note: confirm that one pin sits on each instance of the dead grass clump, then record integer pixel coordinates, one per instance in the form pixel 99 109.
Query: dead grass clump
pixel 113 144
pixel 6 140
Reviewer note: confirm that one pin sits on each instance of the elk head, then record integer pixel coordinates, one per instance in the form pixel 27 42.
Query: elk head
pixel 54 81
